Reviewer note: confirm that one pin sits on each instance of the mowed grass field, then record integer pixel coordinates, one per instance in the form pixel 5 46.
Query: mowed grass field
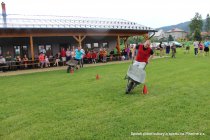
pixel 56 105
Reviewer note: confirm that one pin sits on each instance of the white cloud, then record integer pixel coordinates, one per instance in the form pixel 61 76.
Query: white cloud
pixel 152 13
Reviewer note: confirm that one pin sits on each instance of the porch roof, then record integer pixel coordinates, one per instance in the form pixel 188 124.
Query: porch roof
pixel 14 21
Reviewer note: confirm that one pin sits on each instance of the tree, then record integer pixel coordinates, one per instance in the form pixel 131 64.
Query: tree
pixel 189 37
pixel 196 23
pixel 135 39
pixel 154 39
pixel 170 38
pixel 197 35
pixel 207 24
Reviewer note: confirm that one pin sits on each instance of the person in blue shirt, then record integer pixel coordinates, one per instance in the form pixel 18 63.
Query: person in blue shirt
pixel 79 55
pixel 206 47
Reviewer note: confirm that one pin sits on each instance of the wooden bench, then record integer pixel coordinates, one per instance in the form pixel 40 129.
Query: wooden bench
pixel 4 68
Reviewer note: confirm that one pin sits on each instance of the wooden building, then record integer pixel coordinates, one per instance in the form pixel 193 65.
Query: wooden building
pixel 25 34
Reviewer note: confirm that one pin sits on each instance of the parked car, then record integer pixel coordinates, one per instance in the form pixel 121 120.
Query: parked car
pixel 176 43
pixel 156 44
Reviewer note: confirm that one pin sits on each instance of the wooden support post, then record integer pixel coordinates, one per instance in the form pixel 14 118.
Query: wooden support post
pixel 125 39
pixel 80 42
pixel 75 37
pixel 118 44
pixel 83 38
pixel 79 39
pixel 32 48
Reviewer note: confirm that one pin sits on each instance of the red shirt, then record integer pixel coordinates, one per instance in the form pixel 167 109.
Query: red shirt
pixel 41 57
pixel 94 55
pixel 143 54
pixel 63 53
pixel 88 55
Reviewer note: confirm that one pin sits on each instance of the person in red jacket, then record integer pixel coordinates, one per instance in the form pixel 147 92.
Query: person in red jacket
pixel 94 57
pixel 41 59
pixel 88 56
pixel 145 53
pixel 63 54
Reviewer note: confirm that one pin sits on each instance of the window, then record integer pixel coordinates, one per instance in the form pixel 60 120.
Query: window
pixel 25 51
pixel 20 50
pixel 49 50
pixel 17 50
pixel 42 49
pixel 0 50
pixel 48 47
pixel 95 45
pixel 88 45
pixel 105 45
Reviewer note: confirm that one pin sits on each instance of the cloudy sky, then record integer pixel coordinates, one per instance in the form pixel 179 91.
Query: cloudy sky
pixel 152 13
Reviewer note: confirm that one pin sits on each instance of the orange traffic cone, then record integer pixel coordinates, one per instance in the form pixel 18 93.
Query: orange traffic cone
pixel 145 91
pixel 71 71
pixel 97 77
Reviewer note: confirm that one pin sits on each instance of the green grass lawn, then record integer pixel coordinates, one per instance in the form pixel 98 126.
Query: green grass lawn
pixel 57 105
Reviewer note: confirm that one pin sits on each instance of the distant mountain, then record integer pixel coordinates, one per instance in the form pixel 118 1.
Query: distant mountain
pixel 184 26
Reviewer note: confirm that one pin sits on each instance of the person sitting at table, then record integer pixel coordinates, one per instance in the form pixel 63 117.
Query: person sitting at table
pixel 111 55
pixel 25 60
pixel 8 59
pixel 72 52
pixel 68 54
pixel 47 62
pixel 8 56
pixel 41 60
pixel 2 63
pixel 94 56
pixel 57 59
pixel 18 61
pixel 104 54
pixel 88 57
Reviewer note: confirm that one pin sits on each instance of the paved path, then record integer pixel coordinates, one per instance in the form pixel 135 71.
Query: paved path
pixel 18 72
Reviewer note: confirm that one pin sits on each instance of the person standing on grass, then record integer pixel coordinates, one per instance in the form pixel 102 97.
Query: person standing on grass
pixel 145 53
pixel 195 44
pixel 173 48
pixel 167 49
pixel 200 45
pixel 161 49
pixel 79 56
pixel 187 44
pixel 128 52
pixel 82 57
pixel 136 49
pixel 206 47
